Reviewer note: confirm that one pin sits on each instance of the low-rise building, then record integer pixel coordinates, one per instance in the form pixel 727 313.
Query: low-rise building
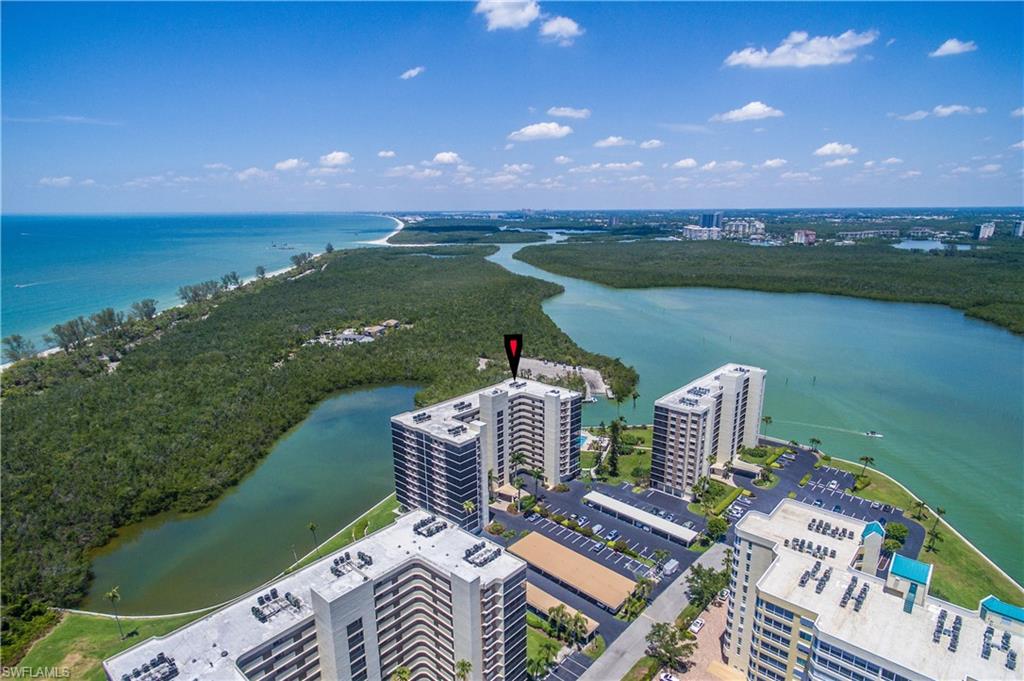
pixel 375 330
pixel 807 237
pixel 419 593
pixel 806 603
pixel 695 233
pixel 870 234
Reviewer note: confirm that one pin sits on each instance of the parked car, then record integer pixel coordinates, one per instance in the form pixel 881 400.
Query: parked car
pixel 688 524
pixel 597 529
pixel 818 503
pixel 837 509
pixel 530 517
pixel 583 520
pixel 875 506
pixel 887 508
pixel 597 547
pixel 573 516
pixel 697 625
pixel 613 535
pixel 834 484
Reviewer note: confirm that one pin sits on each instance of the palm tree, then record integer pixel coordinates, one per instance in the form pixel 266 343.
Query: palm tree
pixel 815 443
pixel 518 459
pixel 316 544
pixel 766 473
pixel 767 421
pixel 578 627
pixel 537 475
pixel 518 484
pixel 468 507
pixel 933 536
pixel 661 555
pixel 919 507
pixel 643 589
pixel 939 512
pixel 402 674
pixel 558 617
pixel 536 667
pixel 867 461
pixel 463 668
pixel 635 395
pixel 490 482
pixel 706 507
pixel 114 595
pixel 794 445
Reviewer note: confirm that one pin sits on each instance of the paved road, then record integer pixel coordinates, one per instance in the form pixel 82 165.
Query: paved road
pixel 629 647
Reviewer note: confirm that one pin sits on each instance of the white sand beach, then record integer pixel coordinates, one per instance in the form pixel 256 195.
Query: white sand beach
pixel 383 241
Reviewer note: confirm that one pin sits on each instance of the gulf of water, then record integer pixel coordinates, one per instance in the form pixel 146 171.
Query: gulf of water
pixel 55 268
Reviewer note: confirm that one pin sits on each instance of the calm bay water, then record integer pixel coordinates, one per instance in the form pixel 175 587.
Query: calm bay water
pixel 945 390
pixel 330 469
pixel 58 267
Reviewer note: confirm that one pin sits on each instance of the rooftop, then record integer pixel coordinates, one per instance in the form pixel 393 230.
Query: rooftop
pixel 699 394
pixel 211 646
pixel 874 527
pixel 454 420
pixel 881 625
pixel 911 569
pixel 647 518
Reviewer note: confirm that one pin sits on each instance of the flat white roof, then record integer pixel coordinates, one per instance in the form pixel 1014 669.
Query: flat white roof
pixel 647 518
pixel 199 647
pixel 881 628
pixel 453 420
pixel 699 394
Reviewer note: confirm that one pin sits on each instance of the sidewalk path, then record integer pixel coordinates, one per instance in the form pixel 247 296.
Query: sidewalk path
pixel 629 647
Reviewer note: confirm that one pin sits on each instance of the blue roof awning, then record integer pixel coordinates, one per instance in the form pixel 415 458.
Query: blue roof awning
pixel 1013 612
pixel 911 569
pixel 874 527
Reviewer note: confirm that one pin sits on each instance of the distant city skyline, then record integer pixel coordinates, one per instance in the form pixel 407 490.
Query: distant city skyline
pixel 494 106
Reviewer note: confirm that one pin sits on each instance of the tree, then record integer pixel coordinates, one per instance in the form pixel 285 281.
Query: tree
pixel 704 583
pixel 17 347
pixel 490 481
pixel 635 395
pixel 468 507
pixel 230 279
pixel 668 645
pixel 919 507
pixel 144 309
pixel 518 459
pixel 538 475
pixel 661 556
pixel 518 483
pixel 898 532
pixel 300 259
pixel 767 421
pixel 261 271
pixel 867 461
pixel 815 443
pixel 558 618
pixel 329 248
pixel 536 667
pixel 402 674
pixel 106 320
pixel 939 512
pixel 716 528
pixel 316 544
pixel 72 334
pixel 766 473
pixel 578 627
pixel 643 589
pixel 463 668
pixel 891 545
pixel 114 595
pixel 933 536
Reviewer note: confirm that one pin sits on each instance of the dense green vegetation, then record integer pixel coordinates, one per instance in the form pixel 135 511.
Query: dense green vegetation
pixel 985 283
pixel 467 231
pixel 199 401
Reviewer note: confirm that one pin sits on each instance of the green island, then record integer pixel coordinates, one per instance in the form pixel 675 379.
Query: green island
pixel 985 283
pixel 199 395
pixel 450 231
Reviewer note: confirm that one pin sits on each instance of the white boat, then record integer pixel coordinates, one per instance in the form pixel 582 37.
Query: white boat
pixel 873 433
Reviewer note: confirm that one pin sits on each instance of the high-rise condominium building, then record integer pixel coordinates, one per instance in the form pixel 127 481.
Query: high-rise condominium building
pixel 807 602
pixel 444 452
pixel 420 593
pixel 703 422
pixel 711 220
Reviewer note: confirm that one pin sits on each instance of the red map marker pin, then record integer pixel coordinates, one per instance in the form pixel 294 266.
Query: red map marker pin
pixel 514 350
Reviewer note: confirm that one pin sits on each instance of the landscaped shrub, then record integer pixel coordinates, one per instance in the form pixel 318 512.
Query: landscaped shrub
pixel 561 487
pixel 496 528
pixel 806 479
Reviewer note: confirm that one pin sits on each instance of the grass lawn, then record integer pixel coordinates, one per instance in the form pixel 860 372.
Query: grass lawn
pixel 759 455
pixel 627 463
pixel 588 459
pixel 640 437
pixel 961 575
pixel 534 639
pixel 81 642
pixel 596 647
pixel 644 670
pixel 381 515
pixel 772 481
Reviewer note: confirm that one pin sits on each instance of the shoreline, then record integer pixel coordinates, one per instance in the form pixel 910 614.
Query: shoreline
pixel 383 241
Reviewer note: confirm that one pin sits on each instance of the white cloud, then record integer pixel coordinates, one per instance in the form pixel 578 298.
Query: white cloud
pixel 290 164
pixel 723 165
pixel 1017 113
pixel 540 131
pixel 336 158
pixel 447 158
pixel 836 149
pixel 914 116
pixel 990 168
pixel 1018 145
pixel 748 112
pixel 685 163
pixel 568 112
pixel 508 14
pixel 892 161
pixel 953 46
pixel 690 128
pixel 774 163
pixel 517 168
pixel 88 182
pixel 910 174
pixel 562 160
pixel 413 72
pixel 386 153
pixel 632 165
pixel 217 166
pixel 413 172
pixel 613 141
pixel 252 174
pixel 652 144
pixel 326 170
pixel 799 176
pixel 562 30
pixel 62 181
pixel 838 162
pixel 946 110
pixel 799 50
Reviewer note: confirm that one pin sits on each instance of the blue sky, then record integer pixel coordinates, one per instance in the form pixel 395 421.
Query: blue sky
pixel 237 107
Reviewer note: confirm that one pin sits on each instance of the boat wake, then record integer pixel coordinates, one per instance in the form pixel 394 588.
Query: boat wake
pixel 823 427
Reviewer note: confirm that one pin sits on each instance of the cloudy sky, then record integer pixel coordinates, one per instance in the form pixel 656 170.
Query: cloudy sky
pixel 193 107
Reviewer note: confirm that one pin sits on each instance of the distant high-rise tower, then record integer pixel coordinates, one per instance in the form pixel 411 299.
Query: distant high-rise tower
pixel 711 220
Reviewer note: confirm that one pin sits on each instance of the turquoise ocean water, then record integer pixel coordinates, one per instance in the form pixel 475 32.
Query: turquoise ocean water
pixel 55 268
